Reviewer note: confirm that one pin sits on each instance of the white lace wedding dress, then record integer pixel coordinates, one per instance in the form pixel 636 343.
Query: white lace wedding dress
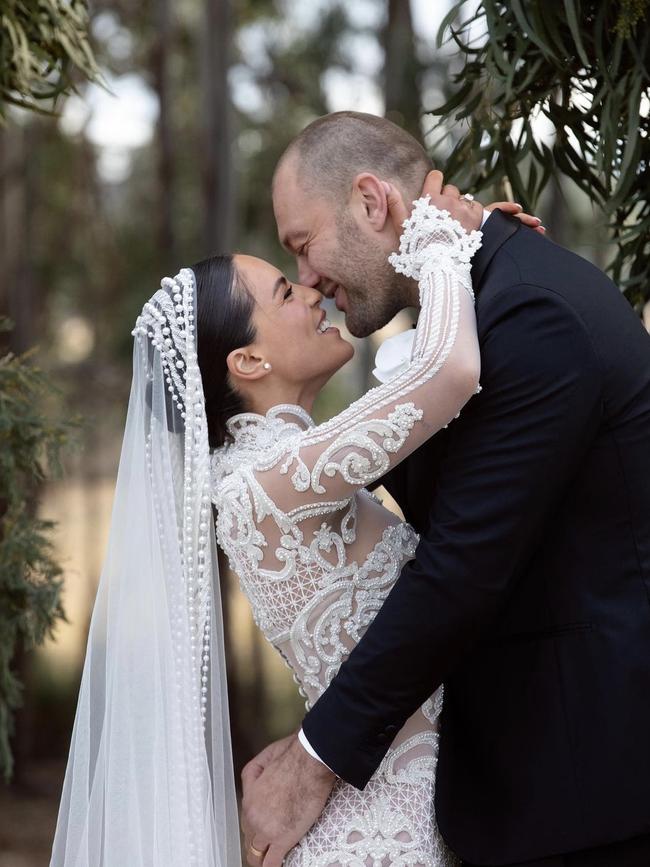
pixel 317 554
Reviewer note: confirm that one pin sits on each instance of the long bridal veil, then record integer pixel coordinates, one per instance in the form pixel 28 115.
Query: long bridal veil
pixel 149 781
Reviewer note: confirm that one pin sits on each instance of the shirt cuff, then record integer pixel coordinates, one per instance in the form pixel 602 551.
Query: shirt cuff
pixel 312 752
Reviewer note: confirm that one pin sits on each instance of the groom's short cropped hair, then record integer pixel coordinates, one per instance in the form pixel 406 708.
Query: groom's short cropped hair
pixel 334 149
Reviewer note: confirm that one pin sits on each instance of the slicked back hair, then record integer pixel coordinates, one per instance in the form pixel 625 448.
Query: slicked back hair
pixel 334 149
pixel 224 322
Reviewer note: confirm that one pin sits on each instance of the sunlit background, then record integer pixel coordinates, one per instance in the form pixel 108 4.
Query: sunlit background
pixel 97 205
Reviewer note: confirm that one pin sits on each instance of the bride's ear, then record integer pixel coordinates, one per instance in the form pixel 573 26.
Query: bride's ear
pixel 371 196
pixel 244 364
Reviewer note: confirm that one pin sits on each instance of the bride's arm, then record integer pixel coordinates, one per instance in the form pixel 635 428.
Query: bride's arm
pixel 360 444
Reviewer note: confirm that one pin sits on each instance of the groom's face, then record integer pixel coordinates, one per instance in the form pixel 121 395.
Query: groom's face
pixel 337 253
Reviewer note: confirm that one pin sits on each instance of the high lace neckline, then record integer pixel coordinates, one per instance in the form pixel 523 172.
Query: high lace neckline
pixel 254 430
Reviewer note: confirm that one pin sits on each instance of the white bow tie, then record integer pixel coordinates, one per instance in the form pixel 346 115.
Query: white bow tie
pixel 394 355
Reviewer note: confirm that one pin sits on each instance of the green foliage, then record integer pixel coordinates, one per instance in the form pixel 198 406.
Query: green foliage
pixel 41 43
pixel 582 65
pixel 631 12
pixel 30 446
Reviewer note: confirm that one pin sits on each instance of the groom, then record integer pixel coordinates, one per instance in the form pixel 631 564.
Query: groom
pixel 530 593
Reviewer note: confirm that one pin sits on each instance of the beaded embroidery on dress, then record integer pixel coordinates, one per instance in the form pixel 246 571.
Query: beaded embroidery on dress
pixel 317 554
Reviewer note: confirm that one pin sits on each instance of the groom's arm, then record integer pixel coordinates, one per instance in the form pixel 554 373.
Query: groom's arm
pixel 509 458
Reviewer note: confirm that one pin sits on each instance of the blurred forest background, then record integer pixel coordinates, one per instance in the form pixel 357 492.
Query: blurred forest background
pixel 164 161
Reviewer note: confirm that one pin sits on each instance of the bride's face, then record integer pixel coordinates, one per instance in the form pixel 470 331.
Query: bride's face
pixel 289 326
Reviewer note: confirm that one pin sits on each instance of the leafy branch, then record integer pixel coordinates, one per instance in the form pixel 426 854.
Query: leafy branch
pixel 30 587
pixel 584 66
pixel 42 42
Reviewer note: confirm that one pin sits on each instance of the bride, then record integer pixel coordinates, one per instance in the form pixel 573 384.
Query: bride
pixel 228 359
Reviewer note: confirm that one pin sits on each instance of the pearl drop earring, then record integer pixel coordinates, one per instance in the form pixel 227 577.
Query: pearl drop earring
pixel 267 366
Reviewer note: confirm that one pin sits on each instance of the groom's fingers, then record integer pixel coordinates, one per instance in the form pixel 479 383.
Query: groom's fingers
pixel 251 771
pixel 246 827
pixel 275 855
pixel 256 850
pixel 263 759
pixel 396 208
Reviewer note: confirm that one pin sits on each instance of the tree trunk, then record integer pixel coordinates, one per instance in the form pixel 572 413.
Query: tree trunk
pixel 165 158
pixel 402 70
pixel 218 237
pixel 18 295
pixel 4 223
pixel 22 302
pixel 217 128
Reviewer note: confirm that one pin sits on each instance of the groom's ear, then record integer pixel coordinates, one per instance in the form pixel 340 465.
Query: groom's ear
pixel 371 198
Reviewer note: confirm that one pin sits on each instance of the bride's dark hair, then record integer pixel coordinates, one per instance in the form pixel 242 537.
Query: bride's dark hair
pixel 223 323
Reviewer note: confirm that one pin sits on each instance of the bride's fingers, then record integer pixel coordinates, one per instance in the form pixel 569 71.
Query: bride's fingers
pixel 396 208
pixel 508 207
pixel 516 210
pixel 451 190
pixel 433 184
pixel 528 220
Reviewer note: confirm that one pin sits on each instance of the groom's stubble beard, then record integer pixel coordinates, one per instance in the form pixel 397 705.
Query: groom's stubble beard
pixel 375 293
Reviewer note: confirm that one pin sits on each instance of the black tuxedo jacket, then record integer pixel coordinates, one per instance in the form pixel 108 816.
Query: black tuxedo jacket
pixel 530 592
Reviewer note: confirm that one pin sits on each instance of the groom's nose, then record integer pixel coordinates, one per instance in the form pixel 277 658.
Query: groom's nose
pixel 306 275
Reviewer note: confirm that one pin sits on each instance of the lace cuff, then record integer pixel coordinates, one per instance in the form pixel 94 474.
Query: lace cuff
pixel 433 241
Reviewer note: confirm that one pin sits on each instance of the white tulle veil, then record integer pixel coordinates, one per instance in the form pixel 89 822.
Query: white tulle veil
pixel 149 781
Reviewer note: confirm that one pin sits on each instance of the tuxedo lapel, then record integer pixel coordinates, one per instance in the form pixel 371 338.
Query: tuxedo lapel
pixel 496 232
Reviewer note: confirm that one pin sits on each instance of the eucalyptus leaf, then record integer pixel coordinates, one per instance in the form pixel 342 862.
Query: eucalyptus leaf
pixel 571 8
pixel 39 48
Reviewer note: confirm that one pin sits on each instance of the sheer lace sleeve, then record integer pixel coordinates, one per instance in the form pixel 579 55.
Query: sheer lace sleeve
pixel 359 445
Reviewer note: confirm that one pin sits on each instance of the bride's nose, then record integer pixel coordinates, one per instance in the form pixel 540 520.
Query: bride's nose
pixel 311 296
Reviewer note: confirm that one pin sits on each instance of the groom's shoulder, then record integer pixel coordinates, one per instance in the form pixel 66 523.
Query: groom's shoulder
pixel 529 259
pixel 534 286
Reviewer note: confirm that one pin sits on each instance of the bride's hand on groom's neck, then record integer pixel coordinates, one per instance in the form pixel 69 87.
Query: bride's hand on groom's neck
pixel 468 212
pixel 447 197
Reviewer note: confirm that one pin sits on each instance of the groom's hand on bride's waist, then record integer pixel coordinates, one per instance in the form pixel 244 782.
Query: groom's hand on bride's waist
pixel 284 792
